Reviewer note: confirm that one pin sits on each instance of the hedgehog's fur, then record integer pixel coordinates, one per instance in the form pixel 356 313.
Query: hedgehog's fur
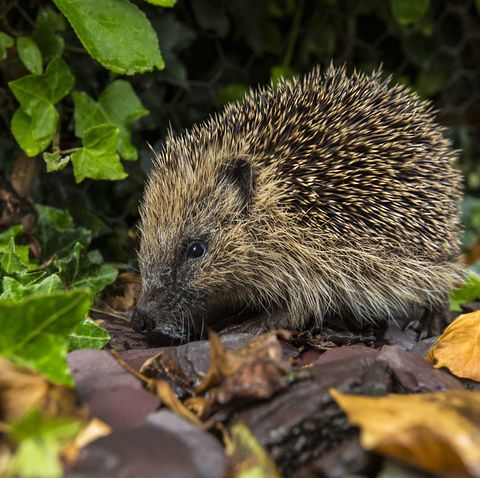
pixel 318 198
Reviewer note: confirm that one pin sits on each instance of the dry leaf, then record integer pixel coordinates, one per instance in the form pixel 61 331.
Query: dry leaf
pixel 168 397
pixel 22 389
pixel 437 432
pixel 458 348
pixel 24 172
pixel 123 295
pixel 93 430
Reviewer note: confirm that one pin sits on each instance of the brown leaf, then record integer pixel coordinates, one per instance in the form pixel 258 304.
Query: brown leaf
pixel 125 292
pixel 24 172
pixel 93 430
pixel 458 348
pixel 21 389
pixel 437 432
pixel 166 395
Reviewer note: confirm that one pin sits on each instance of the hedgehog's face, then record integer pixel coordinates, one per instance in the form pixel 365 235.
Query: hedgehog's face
pixel 194 239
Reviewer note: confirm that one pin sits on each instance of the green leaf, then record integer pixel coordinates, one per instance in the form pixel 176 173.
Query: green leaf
pixel 47 25
pixel 56 233
pixel 88 335
pixel 233 92
pixel 116 33
pixel 122 106
pixel 12 231
pixel 98 158
pixel 34 130
pixel 468 291
pixel 162 3
pixel 55 161
pixel 52 86
pixel 282 72
pixel 30 55
pixel 34 331
pixel 6 41
pixel 15 290
pixel 86 271
pixel 97 279
pixel 407 12
pixel 34 124
pixel 40 441
pixel 118 106
pixel 10 260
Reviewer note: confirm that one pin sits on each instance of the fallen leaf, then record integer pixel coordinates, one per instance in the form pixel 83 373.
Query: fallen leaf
pixel 247 457
pixel 93 430
pixel 168 397
pixel 123 295
pixel 22 389
pixel 438 432
pixel 458 348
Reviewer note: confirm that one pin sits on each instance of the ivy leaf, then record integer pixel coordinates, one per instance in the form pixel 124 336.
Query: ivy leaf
pixel 47 25
pixel 468 291
pixel 162 3
pixel 40 441
pixel 30 55
pixel 86 271
pixel 52 86
pixel 34 331
pixel 118 105
pixel 10 260
pixel 88 335
pixel 16 290
pixel 407 12
pixel 6 41
pixel 98 158
pixel 116 33
pixel 34 130
pixel 122 106
pixel 56 233
pixel 34 124
pixel 55 161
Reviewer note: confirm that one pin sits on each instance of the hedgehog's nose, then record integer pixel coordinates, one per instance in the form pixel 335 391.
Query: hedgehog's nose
pixel 142 322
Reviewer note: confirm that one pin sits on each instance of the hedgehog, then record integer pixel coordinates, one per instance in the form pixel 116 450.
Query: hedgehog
pixel 328 197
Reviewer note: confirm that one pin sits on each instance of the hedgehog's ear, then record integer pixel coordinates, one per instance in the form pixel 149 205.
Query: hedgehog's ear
pixel 239 172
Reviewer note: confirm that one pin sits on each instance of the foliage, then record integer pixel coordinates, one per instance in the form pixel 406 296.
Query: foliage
pixel 40 441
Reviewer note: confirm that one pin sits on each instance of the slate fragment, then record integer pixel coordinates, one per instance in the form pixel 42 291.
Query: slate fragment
pixel 165 446
pixel 189 362
pixel 346 459
pixel 413 374
pixel 110 392
pixel 303 422
pixel 347 352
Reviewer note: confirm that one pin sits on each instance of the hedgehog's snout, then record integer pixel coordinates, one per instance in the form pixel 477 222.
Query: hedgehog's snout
pixel 142 322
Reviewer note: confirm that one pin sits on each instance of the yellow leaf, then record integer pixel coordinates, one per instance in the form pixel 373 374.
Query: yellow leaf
pixel 247 457
pixel 437 432
pixel 458 348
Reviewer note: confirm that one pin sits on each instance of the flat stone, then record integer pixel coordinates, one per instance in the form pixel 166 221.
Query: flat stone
pixel 165 446
pixel 346 352
pixel 122 407
pixel 413 374
pixel 109 391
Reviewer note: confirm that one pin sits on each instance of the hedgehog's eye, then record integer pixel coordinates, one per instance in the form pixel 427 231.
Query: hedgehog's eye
pixel 196 250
